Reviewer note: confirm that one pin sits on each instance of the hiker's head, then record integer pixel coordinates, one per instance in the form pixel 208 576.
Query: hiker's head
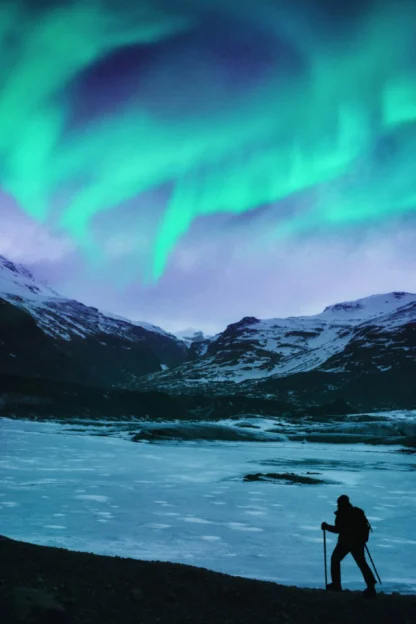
pixel 343 502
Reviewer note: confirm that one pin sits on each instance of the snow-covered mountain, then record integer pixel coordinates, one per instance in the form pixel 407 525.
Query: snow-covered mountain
pixel 191 335
pixel 362 351
pixel 369 336
pixel 19 286
pixel 368 308
pixel 44 334
pixel 17 281
pixel 196 341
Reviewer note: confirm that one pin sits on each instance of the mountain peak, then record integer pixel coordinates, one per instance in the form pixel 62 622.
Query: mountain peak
pixel 18 286
pixel 375 305
pixel 191 335
pixel 17 280
pixel 18 269
pixel 246 321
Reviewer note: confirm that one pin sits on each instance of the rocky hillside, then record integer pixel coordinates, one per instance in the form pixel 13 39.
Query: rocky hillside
pixel 362 351
pixel 45 335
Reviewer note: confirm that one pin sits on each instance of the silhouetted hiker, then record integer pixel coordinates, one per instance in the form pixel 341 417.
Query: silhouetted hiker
pixel 353 529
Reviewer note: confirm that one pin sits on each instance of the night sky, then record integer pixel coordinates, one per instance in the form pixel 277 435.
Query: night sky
pixel 191 162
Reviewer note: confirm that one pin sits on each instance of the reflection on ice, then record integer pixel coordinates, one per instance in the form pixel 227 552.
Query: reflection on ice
pixel 187 501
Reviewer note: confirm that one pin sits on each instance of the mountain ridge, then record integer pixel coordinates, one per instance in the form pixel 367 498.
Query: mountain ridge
pixel 256 349
pixel 68 340
pixel 324 357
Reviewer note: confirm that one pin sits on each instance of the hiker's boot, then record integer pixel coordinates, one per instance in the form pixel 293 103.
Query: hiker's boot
pixel 334 587
pixel 370 591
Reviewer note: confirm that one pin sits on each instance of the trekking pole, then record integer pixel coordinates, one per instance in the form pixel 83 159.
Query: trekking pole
pixel 375 569
pixel 326 573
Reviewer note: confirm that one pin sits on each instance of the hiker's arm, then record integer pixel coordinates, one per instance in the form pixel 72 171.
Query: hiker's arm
pixel 329 527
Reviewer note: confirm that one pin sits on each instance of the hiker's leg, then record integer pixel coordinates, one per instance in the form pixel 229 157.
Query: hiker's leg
pixel 340 551
pixel 359 558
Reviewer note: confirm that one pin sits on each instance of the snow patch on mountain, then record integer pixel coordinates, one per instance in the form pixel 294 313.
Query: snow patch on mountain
pixel 58 316
pixel 17 281
pixel 191 335
pixel 367 308
pixel 144 324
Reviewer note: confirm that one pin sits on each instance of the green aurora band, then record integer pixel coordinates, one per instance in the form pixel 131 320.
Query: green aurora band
pixel 317 133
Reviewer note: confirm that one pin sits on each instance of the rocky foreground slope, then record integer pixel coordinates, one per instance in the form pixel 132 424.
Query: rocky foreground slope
pixel 79 588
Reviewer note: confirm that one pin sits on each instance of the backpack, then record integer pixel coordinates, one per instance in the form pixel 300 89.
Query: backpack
pixel 363 527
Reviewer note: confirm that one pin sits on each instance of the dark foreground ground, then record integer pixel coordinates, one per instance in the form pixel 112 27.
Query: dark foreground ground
pixel 96 589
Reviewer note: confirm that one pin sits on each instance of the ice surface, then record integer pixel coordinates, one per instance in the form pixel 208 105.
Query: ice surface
pixel 186 502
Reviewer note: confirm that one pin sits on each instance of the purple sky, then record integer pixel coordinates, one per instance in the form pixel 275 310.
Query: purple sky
pixel 212 282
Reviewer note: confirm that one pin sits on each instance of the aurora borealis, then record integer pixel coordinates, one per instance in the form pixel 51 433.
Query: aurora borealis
pixel 136 129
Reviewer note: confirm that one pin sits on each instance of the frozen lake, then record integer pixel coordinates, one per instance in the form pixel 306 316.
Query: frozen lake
pixel 187 502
